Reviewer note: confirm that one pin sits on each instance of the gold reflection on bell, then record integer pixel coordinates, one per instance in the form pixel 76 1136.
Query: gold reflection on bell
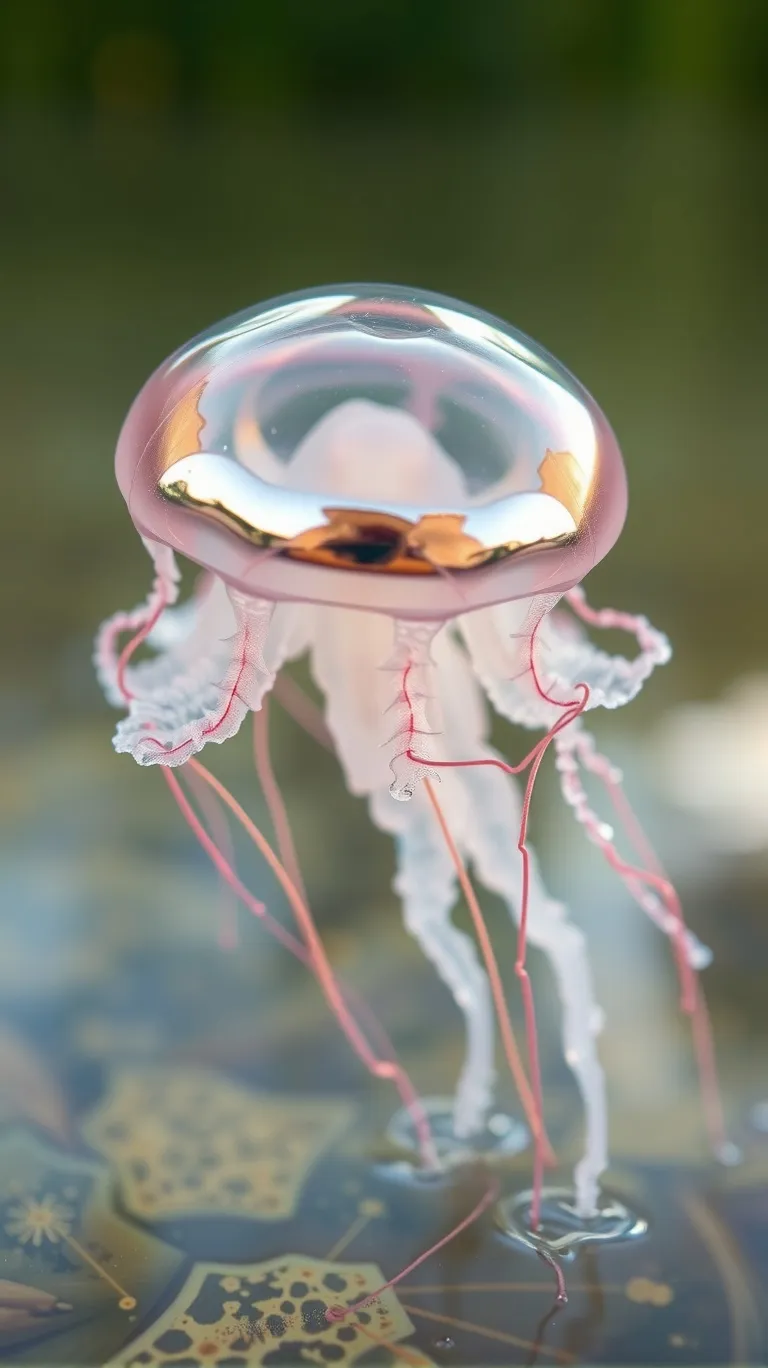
pixel 562 476
pixel 395 539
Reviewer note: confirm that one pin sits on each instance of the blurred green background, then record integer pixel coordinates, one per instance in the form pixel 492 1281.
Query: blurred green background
pixel 592 170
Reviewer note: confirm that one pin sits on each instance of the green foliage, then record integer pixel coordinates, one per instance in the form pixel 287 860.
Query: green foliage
pixel 375 56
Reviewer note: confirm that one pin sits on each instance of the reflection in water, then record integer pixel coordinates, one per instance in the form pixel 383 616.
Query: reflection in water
pixel 563 1229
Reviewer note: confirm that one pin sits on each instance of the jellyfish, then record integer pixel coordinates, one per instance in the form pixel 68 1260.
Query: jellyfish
pixel 409 492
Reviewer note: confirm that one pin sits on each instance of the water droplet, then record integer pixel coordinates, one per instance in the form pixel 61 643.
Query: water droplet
pixel 500 1124
pixel 701 956
pixel 728 1154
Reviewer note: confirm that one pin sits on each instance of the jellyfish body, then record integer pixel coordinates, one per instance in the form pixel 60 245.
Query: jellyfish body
pixel 408 490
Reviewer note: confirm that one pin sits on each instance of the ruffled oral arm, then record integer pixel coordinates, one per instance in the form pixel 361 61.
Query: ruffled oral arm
pixel 222 651
pixel 358 661
pixel 500 641
pixel 140 620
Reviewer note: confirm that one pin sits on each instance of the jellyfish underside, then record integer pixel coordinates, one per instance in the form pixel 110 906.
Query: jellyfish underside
pixel 404 701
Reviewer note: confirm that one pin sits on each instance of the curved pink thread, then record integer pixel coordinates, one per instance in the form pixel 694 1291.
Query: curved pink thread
pixel 312 954
pixel 307 715
pixel 227 935
pixel 573 708
pixel 133 645
pixel 339 1313
pixel 692 998
pixel 227 873
pixel 303 953
pixel 286 847
pixel 316 957
pixel 222 717
pixel 527 1097
pixel 380 1068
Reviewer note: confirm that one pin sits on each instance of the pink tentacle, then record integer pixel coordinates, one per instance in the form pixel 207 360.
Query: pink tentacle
pixel 111 665
pixel 340 1313
pixel 380 1068
pixel 654 645
pixel 659 899
pixel 572 708
pixel 227 934
pixel 288 853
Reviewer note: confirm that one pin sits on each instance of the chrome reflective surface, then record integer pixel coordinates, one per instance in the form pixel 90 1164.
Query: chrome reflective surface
pixel 343 534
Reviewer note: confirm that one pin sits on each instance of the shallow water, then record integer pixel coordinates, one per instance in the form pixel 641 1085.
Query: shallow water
pixel 192 1107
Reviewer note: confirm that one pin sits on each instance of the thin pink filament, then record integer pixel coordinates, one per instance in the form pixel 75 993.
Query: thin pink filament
pixel 692 997
pixel 304 712
pixel 133 645
pixel 551 1262
pixel 209 805
pixel 223 864
pixel 303 954
pixel 656 880
pixel 314 956
pixel 572 709
pixel 339 1313
pixel 274 798
pixel 287 850
pixel 304 715
pixel 601 767
pixel 530 1103
pixel 380 1068
pixel 227 873
pixel 317 960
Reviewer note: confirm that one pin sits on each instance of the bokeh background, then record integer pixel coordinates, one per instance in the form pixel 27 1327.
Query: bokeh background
pixel 592 170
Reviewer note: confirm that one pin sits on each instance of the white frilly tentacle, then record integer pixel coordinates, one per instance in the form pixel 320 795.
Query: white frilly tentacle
pixel 414 711
pixel 358 661
pixel 161 597
pixel 185 636
pixel 493 810
pixel 217 657
pixel 575 749
pixel 566 657
pixel 426 884
pixel 499 642
pixel 207 702
pixel 612 679
pixel 440 714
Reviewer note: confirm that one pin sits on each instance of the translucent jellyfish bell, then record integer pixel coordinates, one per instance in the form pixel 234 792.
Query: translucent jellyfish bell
pixel 411 492
pixel 399 438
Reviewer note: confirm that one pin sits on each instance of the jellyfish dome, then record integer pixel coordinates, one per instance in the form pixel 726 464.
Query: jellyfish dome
pixel 379 442
pixel 410 492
